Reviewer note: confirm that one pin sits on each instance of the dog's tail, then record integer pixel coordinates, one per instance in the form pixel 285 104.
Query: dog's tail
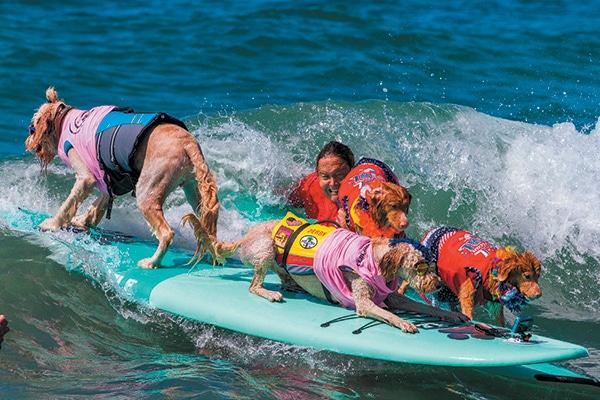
pixel 207 243
pixel 208 206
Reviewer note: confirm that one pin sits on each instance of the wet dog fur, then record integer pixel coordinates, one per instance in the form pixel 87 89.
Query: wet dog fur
pixel 519 270
pixel 388 209
pixel 258 251
pixel 167 157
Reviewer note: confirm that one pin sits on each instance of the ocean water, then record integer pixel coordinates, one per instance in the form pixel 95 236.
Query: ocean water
pixel 487 112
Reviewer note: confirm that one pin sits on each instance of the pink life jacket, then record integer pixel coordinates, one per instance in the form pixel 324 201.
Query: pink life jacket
pixel 79 132
pixel 327 252
pixel 343 250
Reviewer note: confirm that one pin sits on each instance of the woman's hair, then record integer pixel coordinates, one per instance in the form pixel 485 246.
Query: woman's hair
pixel 337 149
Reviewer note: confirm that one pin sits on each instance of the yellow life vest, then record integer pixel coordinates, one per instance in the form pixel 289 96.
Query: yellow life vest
pixel 296 242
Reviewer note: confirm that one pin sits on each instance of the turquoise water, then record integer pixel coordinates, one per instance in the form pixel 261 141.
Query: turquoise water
pixel 487 112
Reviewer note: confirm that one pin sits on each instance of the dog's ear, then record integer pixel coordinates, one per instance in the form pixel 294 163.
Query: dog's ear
pixel 41 140
pixel 513 261
pixel 508 262
pixel 40 125
pixel 506 265
pixel 503 271
pixel 402 255
pixel 376 203
pixel 390 263
pixel 531 259
pixel 386 198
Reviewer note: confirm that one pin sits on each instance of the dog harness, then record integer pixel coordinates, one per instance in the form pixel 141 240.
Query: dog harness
pixel 296 242
pixel 327 252
pixel 355 195
pixel 118 136
pixel 309 195
pixel 462 256
pixel 106 138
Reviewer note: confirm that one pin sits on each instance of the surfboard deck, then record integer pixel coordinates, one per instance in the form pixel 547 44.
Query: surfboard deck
pixel 219 296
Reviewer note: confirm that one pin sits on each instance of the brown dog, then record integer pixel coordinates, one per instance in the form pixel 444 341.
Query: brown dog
pixel 475 272
pixel 335 265
pixel 373 203
pixel 117 152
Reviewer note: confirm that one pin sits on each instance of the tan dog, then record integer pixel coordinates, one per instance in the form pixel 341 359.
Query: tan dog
pixel 475 272
pixel 117 152
pixel 373 280
pixel 373 203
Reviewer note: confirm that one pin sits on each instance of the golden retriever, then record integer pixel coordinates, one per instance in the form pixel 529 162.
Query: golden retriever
pixel 475 272
pixel 154 155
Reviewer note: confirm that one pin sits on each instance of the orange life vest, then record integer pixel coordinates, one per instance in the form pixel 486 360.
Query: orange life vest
pixel 355 196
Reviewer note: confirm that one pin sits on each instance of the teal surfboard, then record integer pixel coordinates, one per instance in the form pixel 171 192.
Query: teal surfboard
pixel 219 296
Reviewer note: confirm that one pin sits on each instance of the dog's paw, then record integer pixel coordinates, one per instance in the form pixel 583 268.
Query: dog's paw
pixel 80 221
pixel 50 224
pixel 405 326
pixel 147 263
pixel 275 296
pixel 270 295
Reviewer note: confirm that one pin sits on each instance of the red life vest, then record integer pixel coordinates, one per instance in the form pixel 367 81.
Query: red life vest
pixel 463 256
pixel 309 195
pixel 355 196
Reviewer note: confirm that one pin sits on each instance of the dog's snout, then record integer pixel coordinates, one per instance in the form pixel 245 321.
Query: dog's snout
pixel 532 292
pixel 404 221
pixel 400 222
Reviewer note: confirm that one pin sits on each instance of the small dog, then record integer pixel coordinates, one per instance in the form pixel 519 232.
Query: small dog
pixel 373 203
pixel 118 151
pixel 475 272
pixel 335 265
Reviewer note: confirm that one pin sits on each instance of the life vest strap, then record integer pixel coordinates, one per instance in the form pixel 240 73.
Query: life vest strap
pixel 288 245
pixel 289 242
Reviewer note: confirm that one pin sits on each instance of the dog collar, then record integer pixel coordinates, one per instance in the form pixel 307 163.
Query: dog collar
pixel 506 294
pixel 61 113
pixel 511 297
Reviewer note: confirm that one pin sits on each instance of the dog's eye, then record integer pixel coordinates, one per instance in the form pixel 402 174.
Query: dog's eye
pixel 424 267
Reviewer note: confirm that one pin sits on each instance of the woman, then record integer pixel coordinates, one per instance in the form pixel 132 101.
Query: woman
pixel 317 193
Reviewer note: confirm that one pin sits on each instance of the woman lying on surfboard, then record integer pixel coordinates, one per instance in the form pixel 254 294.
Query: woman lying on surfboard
pixel 317 192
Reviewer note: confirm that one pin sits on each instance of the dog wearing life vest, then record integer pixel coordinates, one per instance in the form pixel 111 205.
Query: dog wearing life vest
pixel 373 203
pixel 118 151
pixel 476 273
pixel 336 265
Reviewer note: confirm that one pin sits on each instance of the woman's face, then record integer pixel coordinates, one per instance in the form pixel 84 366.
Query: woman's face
pixel 331 171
